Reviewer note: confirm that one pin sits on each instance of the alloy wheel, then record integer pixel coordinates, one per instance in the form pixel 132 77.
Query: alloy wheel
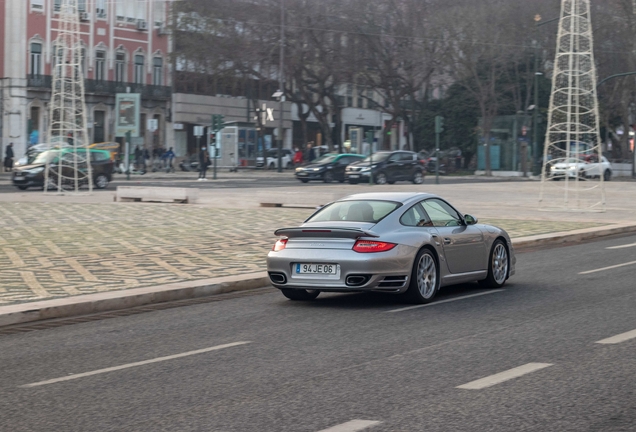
pixel 427 276
pixel 500 263
pixel 380 178
pixel 418 178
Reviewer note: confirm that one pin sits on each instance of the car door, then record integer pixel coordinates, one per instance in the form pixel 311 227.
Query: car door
pixel 409 163
pixel 464 246
pixel 338 167
pixel 392 166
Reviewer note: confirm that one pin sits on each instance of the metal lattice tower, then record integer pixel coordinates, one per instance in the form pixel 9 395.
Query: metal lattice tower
pixel 572 143
pixel 68 169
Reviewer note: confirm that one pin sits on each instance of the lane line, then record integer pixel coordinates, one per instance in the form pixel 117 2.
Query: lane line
pixel 445 301
pixel 608 268
pixel 618 338
pixel 131 365
pixel 622 246
pixel 352 426
pixel 504 376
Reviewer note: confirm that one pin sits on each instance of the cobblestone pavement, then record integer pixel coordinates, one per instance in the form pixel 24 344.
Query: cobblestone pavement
pixel 52 250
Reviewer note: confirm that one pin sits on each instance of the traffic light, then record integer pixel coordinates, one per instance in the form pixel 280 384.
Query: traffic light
pixel 217 122
pixel 439 124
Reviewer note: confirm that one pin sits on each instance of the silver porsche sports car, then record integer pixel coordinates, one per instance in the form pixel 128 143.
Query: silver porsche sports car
pixel 403 243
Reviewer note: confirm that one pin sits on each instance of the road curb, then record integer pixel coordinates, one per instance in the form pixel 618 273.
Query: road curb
pixel 572 237
pixel 118 300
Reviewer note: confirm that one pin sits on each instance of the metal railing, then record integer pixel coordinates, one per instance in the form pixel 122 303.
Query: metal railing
pixel 107 87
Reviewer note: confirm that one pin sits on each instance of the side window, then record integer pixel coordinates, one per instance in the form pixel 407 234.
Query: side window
pixel 441 213
pixel 416 217
pixel 406 157
pixel 394 157
pixel 344 161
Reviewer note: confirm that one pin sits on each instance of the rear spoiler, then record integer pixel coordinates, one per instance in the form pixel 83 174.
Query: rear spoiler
pixel 353 233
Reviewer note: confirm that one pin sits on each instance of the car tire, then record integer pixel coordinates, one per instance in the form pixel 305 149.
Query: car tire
pixel 341 181
pixel 498 266
pixel 418 177
pixel 101 181
pixel 425 278
pixel 327 177
pixel 22 187
pixel 391 182
pixel 353 182
pixel 299 294
pixel 607 175
pixel 304 180
pixel 380 178
pixel 289 165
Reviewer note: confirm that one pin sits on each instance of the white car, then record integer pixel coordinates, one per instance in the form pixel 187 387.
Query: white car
pixel 589 167
pixel 272 159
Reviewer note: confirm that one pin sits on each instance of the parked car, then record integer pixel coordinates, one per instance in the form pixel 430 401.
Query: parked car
pixel 327 168
pixel 387 167
pixel 33 174
pixel 272 159
pixel 587 167
pixel 401 243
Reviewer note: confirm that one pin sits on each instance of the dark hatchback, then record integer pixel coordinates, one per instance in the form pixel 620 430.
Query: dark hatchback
pixel 32 175
pixel 327 168
pixel 387 167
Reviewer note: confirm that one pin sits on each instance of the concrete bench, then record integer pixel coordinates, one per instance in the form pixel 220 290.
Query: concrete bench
pixel 156 194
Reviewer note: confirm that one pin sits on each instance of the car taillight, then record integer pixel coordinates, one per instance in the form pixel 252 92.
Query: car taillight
pixel 280 245
pixel 369 246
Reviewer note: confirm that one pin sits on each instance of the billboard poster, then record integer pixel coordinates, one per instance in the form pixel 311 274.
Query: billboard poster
pixel 127 114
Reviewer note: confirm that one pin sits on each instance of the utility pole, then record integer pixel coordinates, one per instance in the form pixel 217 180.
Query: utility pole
pixel 439 128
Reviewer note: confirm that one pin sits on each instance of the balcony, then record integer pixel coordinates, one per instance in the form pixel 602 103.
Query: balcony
pixel 108 88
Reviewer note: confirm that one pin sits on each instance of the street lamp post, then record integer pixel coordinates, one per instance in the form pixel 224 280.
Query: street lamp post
pixel 281 78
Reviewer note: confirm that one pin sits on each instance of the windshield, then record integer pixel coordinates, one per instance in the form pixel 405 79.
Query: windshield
pixel 355 210
pixel 325 159
pixel 377 157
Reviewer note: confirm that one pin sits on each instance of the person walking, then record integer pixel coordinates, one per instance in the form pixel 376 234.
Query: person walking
pixel 298 157
pixel 168 157
pixel 8 158
pixel 204 163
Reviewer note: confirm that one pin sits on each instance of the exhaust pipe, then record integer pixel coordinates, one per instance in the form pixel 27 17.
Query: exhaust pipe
pixel 278 278
pixel 356 280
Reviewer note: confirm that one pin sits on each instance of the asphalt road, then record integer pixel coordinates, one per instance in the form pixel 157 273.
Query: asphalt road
pixel 240 180
pixel 350 361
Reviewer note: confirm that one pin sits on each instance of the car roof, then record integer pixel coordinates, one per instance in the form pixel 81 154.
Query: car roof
pixel 402 197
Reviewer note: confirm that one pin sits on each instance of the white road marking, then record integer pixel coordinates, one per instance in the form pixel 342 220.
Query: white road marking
pixel 619 338
pixel 608 268
pixel 130 365
pixel 445 301
pixel 352 426
pixel 504 376
pixel 622 246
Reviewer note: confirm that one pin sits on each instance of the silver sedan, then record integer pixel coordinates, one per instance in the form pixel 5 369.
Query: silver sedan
pixel 403 243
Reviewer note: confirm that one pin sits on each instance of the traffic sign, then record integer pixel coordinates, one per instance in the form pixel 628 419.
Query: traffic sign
pixel 153 125
pixel 198 131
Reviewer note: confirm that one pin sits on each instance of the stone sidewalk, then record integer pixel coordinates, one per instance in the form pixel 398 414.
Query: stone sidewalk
pixel 54 250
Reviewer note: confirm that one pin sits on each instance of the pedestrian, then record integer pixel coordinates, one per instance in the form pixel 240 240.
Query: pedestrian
pixel 146 158
pixel 168 157
pixel 8 158
pixel 204 163
pixel 311 152
pixel 298 157
pixel 138 158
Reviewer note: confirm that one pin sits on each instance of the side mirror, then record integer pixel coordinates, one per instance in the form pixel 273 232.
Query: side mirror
pixel 470 219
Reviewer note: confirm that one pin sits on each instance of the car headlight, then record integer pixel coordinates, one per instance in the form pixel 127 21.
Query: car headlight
pixel 317 169
pixel 299 169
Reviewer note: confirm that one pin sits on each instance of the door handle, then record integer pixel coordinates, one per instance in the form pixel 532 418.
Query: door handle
pixel 447 240
pixel 436 238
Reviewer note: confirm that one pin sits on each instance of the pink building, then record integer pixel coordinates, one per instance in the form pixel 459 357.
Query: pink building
pixel 127 49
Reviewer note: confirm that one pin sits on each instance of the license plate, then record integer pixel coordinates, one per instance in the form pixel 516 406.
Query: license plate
pixel 353 176
pixel 301 174
pixel 326 269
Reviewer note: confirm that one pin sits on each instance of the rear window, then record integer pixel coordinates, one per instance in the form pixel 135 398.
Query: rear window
pixel 371 211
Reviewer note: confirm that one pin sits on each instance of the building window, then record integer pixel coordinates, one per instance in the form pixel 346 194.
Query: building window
pixel 100 62
pixel 81 5
pixel 56 5
pixel 36 59
pixel 157 68
pixel 139 69
pixel 349 95
pixel 120 67
pixel 100 8
pixel 360 101
pixel 37 5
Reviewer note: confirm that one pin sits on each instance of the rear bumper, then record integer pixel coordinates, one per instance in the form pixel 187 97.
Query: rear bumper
pixel 384 271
